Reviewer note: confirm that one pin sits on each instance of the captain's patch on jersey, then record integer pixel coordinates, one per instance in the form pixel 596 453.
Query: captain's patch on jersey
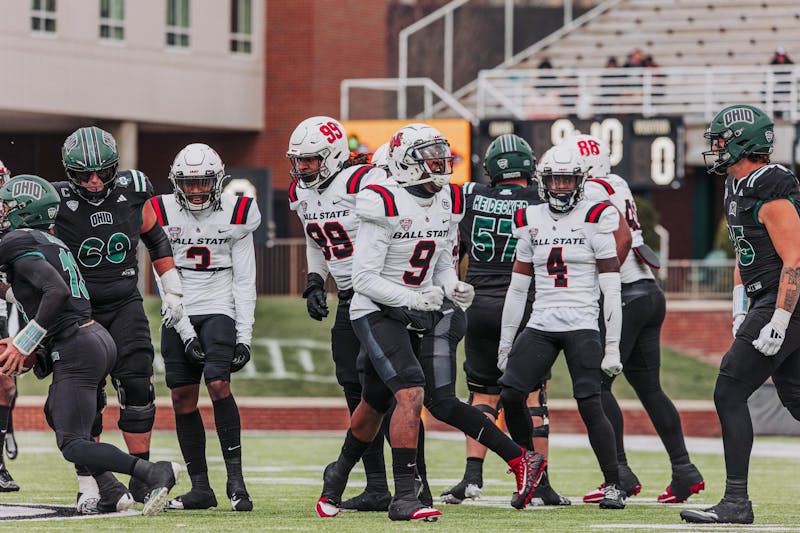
pixel 37 511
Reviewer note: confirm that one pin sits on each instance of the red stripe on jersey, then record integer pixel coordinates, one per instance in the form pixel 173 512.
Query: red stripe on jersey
pixel 594 212
pixel 241 209
pixel 293 191
pixel 521 217
pixel 354 183
pixel 457 195
pixel 389 205
pixel 158 209
pixel 603 183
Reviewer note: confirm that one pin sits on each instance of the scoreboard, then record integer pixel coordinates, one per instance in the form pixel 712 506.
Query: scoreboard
pixel 647 151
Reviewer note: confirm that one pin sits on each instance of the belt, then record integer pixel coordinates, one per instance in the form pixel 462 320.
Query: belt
pixel 644 281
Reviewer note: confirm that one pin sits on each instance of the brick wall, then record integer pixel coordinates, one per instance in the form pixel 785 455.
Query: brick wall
pixel 701 329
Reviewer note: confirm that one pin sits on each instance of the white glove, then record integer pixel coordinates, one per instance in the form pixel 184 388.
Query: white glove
pixel 171 309
pixel 771 337
pixel 429 299
pixel 463 294
pixel 502 356
pixel 611 364
pixel 737 322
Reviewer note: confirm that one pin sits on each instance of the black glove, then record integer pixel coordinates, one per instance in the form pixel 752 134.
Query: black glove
pixel 241 355
pixel 193 351
pixel 316 300
pixel 3 324
pixel 44 363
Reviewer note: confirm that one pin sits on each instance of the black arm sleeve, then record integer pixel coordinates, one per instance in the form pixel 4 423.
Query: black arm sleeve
pixel 55 292
pixel 157 243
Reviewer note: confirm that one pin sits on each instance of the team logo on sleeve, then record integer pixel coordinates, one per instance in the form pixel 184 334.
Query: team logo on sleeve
pixel 445 204
pixel 72 204
pixel 405 223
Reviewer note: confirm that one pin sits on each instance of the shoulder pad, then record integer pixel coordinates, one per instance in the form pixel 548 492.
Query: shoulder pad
pixel 605 216
pixel 135 181
pixel 472 187
pixel 598 189
pixel 456 199
pixel 63 188
pixel 242 210
pixel 293 196
pixel 521 218
pixel 771 182
pixel 358 178
pixel 376 203
pixel 157 203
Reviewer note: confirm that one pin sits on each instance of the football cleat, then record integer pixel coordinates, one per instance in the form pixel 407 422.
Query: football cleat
pixel 194 499
pixel 412 509
pixel 138 489
pixel 423 490
pixel 528 469
pixel 11 446
pixel 167 474
pixel 544 494
pixel 686 480
pixel 87 503
pixel 7 483
pixel 240 499
pixel 628 482
pixel 613 497
pixel 115 499
pixel 333 485
pixel 369 500
pixel 465 490
pixel 727 511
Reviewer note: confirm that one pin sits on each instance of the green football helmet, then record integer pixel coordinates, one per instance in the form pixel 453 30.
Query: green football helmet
pixel 737 132
pixel 28 201
pixel 86 151
pixel 509 157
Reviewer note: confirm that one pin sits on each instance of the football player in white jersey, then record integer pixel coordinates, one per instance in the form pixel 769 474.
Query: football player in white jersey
pixel 211 237
pixel 402 270
pixel 8 390
pixel 643 311
pixel 323 194
pixel 569 244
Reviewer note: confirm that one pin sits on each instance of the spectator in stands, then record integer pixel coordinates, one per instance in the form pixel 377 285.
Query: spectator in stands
pixel 648 61
pixel 611 62
pixel 545 63
pixel 635 59
pixel 780 57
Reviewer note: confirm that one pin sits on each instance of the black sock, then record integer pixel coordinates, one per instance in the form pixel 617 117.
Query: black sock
pixel 404 467
pixel 735 488
pixel 229 431
pixel 192 440
pixel 474 471
pixel 375 466
pixel 143 455
pixel 5 415
pixel 352 451
pixel 422 468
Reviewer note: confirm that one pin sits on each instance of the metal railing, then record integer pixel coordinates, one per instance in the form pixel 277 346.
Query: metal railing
pixel 702 91
pixel 281 270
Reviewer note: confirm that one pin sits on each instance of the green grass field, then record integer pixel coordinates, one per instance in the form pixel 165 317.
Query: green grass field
pixel 284 478
pixel 291 357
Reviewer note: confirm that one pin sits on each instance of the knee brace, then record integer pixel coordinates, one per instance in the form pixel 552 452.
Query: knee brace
pixel 542 431
pixel 137 408
pixel 483 408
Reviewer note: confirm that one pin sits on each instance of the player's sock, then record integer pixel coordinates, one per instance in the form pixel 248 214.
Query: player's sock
pixel 474 471
pixel 5 415
pixel 192 440
pixel 736 488
pixel 404 467
pixel 229 430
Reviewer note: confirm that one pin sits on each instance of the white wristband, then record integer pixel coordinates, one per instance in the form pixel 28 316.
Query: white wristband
pixel 171 282
pixel 739 300
pixel 29 338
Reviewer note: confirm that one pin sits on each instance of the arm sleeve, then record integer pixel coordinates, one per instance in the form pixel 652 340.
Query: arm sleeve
pixel 372 243
pixel 514 307
pixel 244 287
pixel 612 307
pixel 315 259
pixel 39 273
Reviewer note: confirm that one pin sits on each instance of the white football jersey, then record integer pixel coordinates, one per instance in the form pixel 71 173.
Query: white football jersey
pixel 330 222
pixel 213 252
pixel 564 249
pixel 404 245
pixel 614 189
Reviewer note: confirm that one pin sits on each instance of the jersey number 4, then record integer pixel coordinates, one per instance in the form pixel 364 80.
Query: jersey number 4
pixel 332 239
pixel 557 267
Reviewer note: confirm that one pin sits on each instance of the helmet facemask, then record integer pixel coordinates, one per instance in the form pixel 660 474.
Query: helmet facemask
pixel 314 175
pixel 436 162
pixel 197 193
pixel 80 182
pixel 87 151
pixel 197 175
pixel 561 190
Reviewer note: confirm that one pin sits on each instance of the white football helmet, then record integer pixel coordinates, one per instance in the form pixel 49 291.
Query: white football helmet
pixel 594 152
pixel 419 153
pixel 197 175
pixel 381 156
pixel 5 174
pixel 322 138
pixel 561 173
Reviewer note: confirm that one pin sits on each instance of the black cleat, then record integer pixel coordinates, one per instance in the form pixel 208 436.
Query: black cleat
pixel 333 485
pixel 686 480
pixel 114 499
pixel 727 511
pixel 628 481
pixel 423 491
pixel 545 495
pixel 412 509
pixel 240 499
pixel 11 446
pixel 465 490
pixel 7 483
pixel 194 499
pixel 138 489
pixel 528 470
pixel 613 497
pixel 369 500
pixel 166 476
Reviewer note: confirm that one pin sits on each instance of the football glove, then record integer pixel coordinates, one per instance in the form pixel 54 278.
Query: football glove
pixel 429 299
pixel 770 339
pixel 171 309
pixel 611 363
pixel 316 299
pixel 463 294
pixel 740 304
pixel 241 355
pixel 502 356
pixel 193 351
